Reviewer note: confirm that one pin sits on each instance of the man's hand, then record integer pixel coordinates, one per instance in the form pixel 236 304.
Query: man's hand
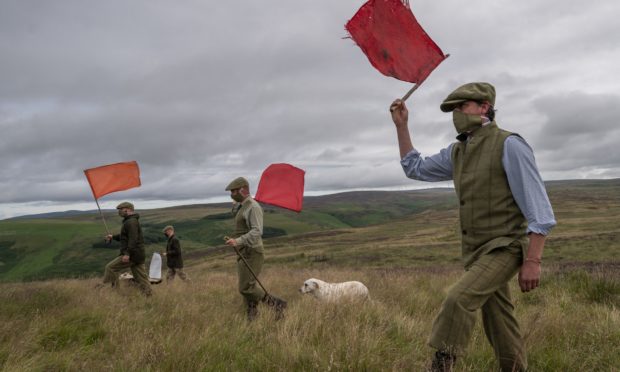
pixel 231 242
pixel 400 114
pixel 108 238
pixel 529 276
pixel 125 258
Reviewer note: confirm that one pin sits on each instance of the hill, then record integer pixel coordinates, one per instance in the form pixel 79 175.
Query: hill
pixel 354 229
pixel 63 214
pixel 70 245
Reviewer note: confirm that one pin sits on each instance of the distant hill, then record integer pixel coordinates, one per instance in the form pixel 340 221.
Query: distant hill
pixel 381 228
pixel 63 214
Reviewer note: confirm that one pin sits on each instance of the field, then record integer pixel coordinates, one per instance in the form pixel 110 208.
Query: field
pixel 403 245
pixel 571 324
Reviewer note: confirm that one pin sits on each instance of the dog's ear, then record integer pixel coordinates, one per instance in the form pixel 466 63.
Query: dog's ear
pixel 316 284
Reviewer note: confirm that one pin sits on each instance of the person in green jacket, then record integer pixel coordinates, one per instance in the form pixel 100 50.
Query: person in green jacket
pixel 174 256
pixel 132 254
pixel 247 237
pixel 504 214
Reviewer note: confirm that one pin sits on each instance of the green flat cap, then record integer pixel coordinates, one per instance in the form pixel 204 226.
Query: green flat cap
pixel 237 183
pixel 125 205
pixel 169 227
pixel 479 92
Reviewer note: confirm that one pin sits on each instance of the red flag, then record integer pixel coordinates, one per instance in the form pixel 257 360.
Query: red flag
pixel 282 185
pixel 394 42
pixel 113 177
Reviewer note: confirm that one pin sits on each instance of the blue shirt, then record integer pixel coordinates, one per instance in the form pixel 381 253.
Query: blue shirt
pixel 524 179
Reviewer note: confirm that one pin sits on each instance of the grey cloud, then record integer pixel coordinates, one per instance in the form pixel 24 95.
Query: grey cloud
pixel 580 130
pixel 576 113
pixel 201 91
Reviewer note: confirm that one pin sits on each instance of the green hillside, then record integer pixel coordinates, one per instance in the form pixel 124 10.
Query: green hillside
pixel 373 229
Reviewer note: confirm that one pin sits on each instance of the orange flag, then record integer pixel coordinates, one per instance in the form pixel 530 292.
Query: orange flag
pixel 113 177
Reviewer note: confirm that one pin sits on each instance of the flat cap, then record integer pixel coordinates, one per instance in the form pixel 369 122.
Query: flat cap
pixel 479 92
pixel 125 205
pixel 237 183
pixel 169 227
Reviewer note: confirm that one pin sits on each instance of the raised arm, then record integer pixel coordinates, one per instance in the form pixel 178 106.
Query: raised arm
pixel 435 168
pixel 400 117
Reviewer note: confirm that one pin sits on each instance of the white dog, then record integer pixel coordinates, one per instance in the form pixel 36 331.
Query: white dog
pixel 334 291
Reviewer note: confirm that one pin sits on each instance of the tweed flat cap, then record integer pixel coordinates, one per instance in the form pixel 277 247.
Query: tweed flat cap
pixel 479 92
pixel 237 183
pixel 125 205
pixel 169 227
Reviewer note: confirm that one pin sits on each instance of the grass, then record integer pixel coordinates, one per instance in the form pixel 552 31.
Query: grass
pixel 571 323
pixel 28 237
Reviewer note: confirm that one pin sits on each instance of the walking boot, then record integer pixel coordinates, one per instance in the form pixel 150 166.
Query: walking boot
pixel 443 361
pixel 277 304
pixel 252 310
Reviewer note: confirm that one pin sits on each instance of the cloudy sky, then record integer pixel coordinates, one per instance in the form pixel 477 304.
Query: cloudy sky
pixel 200 92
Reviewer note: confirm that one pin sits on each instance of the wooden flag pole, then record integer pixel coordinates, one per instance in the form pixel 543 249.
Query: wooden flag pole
pixel 415 87
pixel 410 92
pixel 102 217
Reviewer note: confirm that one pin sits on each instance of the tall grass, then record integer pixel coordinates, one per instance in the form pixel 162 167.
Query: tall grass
pixel 572 323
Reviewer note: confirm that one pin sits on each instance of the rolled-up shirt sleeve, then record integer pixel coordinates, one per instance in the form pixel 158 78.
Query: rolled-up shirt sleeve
pixel 433 168
pixel 527 185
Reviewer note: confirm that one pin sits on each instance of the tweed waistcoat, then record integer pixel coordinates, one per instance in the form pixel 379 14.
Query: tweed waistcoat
pixel 489 215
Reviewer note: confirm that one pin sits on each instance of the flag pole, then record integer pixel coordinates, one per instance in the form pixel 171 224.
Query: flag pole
pixel 102 217
pixel 410 92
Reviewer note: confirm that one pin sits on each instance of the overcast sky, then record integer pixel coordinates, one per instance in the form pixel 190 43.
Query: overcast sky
pixel 200 92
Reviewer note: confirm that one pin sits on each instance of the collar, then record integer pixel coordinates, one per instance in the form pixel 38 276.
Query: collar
pixel 465 136
pixel 135 215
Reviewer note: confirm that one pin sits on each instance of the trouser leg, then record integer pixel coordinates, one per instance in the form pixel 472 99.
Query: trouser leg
pixel 182 275
pixel 113 269
pixel 248 287
pixel 173 272
pixel 140 276
pixel 170 274
pixel 454 324
pixel 502 330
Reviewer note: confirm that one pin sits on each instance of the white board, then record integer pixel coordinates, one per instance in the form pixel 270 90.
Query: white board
pixel 155 269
